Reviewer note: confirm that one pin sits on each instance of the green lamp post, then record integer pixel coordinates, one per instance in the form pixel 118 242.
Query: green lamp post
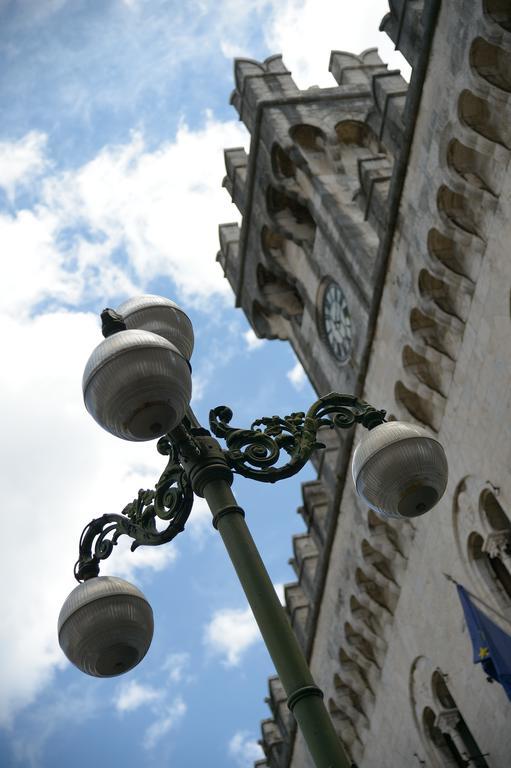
pixel 137 386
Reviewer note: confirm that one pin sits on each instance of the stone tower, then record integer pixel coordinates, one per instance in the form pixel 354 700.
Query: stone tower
pixel 375 231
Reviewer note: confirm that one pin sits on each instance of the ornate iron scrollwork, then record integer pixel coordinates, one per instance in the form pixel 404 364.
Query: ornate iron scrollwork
pixel 171 500
pixel 254 452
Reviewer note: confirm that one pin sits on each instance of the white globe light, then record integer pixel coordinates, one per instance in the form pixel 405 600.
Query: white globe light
pixel 137 385
pixel 105 626
pixel 161 316
pixel 399 470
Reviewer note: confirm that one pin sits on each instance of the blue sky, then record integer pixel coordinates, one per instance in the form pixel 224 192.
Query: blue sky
pixel 115 114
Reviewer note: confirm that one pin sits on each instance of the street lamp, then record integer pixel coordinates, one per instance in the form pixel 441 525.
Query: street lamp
pixel 137 385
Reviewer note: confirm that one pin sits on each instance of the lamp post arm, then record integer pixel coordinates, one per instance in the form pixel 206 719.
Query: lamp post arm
pixel 255 453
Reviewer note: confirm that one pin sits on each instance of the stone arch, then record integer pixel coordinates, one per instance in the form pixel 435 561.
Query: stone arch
pixel 481 561
pixel 442 335
pixel 420 405
pixel 482 532
pixel 277 250
pixel 458 738
pixel 362 613
pixel 348 698
pixel 279 293
pixel 271 241
pixel 357 145
pixel 290 215
pixel 308 137
pixel 475 168
pixel 344 727
pixel 455 206
pixel 497 544
pixel 441 691
pixel 361 645
pixel 462 260
pixel 492 63
pixel 377 560
pixel 267 324
pixel 442 742
pixel 281 163
pixel 449 298
pixel 357 133
pixel 385 535
pixel 433 370
pixel 379 597
pixel 495 515
pixel 475 112
pixel 499 11
pixel 356 674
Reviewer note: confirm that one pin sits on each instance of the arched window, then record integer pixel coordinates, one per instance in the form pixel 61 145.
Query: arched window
pixel 475 112
pixel 455 207
pixel 459 743
pixel 498 543
pixel 441 741
pixel 291 215
pixel 281 163
pixel 308 137
pixel 358 146
pixel 279 293
pixel 471 165
pixel 492 63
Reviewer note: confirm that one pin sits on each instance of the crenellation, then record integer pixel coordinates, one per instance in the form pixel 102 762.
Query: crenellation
pixel 350 69
pixel 389 91
pixel 228 256
pixel 298 607
pixel 236 161
pixel 403 24
pixel 305 564
pixel 258 82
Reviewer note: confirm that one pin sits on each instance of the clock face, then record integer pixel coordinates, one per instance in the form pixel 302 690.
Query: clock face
pixel 336 321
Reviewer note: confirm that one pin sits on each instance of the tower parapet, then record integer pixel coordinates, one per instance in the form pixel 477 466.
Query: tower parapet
pixel 387 87
pixel 236 161
pixel 260 81
pixel 229 235
pixel 404 25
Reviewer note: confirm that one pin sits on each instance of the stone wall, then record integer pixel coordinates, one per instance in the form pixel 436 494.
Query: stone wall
pixel 373 606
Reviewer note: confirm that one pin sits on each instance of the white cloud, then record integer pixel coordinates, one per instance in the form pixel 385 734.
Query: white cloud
pixel 200 522
pixel 145 204
pixel 230 633
pixel 252 341
pixel 305 31
pixel 170 718
pixel 297 376
pixel 175 664
pixel 60 470
pixel 131 695
pixel 21 161
pixel 127 564
pixel 244 750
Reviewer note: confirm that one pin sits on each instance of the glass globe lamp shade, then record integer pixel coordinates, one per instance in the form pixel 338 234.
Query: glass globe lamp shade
pixel 161 316
pixel 399 470
pixel 105 626
pixel 137 385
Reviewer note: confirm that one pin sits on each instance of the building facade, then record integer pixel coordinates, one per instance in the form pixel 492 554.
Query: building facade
pixel 376 222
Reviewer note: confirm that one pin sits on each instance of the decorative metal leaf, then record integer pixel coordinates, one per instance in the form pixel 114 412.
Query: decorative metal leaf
pixel 255 452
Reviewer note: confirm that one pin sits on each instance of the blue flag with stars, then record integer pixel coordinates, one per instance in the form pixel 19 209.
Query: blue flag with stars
pixel 491 645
